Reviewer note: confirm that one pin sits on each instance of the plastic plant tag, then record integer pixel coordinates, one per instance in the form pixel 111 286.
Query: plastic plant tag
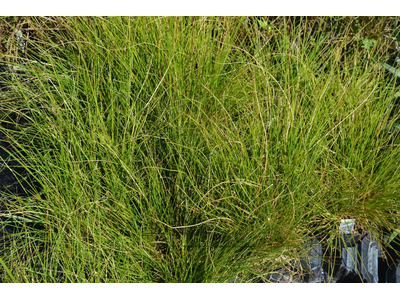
pixel 347 226
pixel 313 262
pixel 349 259
pixel 369 258
pixel 393 273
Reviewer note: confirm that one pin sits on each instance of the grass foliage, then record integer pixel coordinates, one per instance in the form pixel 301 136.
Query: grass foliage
pixel 193 149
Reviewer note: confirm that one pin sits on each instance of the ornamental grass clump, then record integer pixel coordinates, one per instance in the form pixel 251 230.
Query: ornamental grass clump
pixel 193 149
